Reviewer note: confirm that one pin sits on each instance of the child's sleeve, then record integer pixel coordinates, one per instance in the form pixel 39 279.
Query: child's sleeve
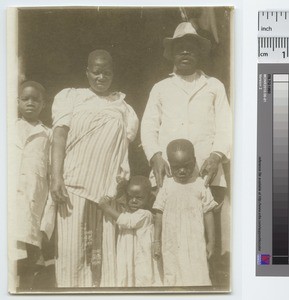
pixel 62 108
pixel 132 123
pixel 48 218
pixel 208 201
pixel 132 220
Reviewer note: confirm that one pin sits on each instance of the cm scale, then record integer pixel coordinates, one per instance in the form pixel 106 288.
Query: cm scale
pixel 272 250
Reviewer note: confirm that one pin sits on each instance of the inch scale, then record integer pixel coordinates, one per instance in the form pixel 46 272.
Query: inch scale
pixel 273 36
pixel 272 195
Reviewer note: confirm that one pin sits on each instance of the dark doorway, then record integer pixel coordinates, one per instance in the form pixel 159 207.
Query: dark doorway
pixel 54 44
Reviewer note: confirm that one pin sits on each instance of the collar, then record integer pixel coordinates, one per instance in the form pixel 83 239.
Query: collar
pixel 188 78
pixel 113 96
pixel 37 129
pixel 198 81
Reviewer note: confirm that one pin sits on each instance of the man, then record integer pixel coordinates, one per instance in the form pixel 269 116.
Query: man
pixel 190 105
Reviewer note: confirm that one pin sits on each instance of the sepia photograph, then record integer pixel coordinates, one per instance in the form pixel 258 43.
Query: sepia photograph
pixel 120 130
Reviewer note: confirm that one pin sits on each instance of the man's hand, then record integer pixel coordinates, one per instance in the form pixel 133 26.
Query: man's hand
pixel 160 168
pixel 210 168
pixel 59 193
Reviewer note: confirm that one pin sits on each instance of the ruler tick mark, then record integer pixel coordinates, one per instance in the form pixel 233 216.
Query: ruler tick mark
pixel 273 37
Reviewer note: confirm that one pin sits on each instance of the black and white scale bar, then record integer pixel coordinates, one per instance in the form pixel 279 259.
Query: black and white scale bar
pixel 273 48
pixel 273 23
pixel 280 169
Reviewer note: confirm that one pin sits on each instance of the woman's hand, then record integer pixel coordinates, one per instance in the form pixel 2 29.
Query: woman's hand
pixel 160 168
pixel 104 201
pixel 59 193
pixel 157 250
pixel 121 186
pixel 210 250
pixel 57 188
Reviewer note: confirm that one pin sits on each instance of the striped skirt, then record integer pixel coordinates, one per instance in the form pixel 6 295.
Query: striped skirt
pixel 72 269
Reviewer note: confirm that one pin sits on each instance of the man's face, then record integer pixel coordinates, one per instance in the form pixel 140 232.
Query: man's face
pixel 100 74
pixel 185 55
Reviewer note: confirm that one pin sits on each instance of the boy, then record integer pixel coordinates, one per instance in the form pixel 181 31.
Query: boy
pixel 32 158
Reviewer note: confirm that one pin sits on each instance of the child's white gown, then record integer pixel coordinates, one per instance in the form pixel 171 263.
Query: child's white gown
pixel 183 237
pixel 135 264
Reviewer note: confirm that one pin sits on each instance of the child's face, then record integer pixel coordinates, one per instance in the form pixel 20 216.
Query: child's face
pixel 137 197
pixel 182 165
pixel 30 103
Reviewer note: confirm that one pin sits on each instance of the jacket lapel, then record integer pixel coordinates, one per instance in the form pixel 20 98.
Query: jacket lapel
pixel 176 82
pixel 200 82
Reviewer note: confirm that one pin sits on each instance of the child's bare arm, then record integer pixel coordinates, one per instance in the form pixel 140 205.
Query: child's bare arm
pixel 158 235
pixel 58 190
pixel 104 204
pixel 210 232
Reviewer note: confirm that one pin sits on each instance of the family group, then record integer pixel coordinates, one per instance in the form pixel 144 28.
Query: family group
pixel 113 229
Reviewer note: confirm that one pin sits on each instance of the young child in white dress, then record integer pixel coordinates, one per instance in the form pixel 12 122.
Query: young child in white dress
pixel 135 264
pixel 184 226
pixel 31 159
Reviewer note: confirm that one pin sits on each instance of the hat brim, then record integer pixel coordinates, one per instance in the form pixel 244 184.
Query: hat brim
pixel 204 44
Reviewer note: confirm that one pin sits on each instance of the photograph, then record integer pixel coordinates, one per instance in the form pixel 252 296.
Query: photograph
pixel 120 142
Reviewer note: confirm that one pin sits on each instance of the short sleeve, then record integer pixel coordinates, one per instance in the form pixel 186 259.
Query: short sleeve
pixel 62 108
pixel 208 201
pixel 133 220
pixel 132 123
pixel 161 198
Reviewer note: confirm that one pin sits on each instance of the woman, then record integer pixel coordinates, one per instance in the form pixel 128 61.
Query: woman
pixel 91 132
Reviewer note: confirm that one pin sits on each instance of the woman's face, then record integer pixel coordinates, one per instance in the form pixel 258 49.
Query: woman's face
pixel 100 74
pixel 185 56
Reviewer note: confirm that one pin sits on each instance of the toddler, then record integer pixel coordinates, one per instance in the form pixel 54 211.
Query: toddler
pixel 184 227
pixel 135 265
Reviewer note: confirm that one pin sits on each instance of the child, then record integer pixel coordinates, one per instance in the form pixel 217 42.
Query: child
pixel 32 155
pixel 183 218
pixel 135 265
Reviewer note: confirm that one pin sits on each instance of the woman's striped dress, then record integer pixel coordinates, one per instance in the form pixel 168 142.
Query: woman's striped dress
pixel 100 129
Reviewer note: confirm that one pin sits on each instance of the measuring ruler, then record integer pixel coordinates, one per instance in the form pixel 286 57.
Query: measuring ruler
pixel 273 145
pixel 273 36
